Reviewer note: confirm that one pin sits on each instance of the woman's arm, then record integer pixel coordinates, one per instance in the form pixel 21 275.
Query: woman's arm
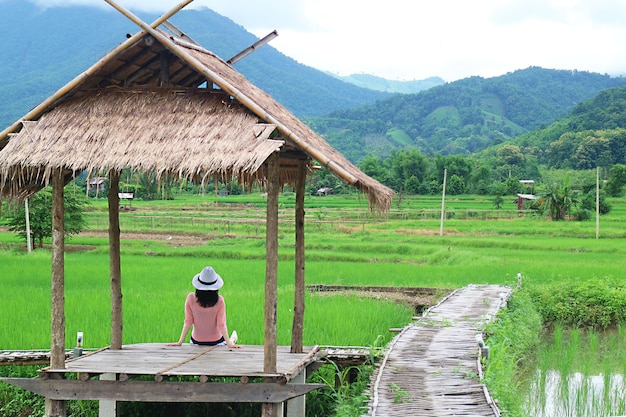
pixel 229 342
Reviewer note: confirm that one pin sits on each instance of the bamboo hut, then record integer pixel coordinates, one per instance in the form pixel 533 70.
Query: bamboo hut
pixel 163 104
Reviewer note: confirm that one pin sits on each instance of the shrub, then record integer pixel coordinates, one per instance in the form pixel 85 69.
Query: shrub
pixel 598 303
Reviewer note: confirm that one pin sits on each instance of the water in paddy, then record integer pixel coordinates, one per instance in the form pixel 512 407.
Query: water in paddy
pixel 579 374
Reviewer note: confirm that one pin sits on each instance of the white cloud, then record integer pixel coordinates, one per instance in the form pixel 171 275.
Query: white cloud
pixel 417 39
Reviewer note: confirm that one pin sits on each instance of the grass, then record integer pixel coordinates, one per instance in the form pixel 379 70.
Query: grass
pixel 154 291
pixel 345 246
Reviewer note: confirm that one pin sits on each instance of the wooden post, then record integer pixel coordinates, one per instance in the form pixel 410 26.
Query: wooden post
pixel 29 240
pixel 114 260
pixel 271 275
pixel 597 202
pixel 57 408
pixel 443 202
pixel 298 308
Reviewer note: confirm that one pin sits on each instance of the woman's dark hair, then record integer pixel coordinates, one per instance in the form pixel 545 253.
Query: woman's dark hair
pixel 206 298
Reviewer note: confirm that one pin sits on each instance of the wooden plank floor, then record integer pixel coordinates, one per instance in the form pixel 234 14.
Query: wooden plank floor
pixel 431 366
pixel 188 360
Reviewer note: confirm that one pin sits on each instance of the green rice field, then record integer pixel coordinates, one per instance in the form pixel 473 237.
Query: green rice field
pixel 165 243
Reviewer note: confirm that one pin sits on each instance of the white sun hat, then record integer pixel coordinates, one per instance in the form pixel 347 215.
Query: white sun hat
pixel 207 280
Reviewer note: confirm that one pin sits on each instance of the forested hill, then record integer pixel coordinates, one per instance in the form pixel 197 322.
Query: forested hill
pixel 41 50
pixel 593 134
pixel 464 116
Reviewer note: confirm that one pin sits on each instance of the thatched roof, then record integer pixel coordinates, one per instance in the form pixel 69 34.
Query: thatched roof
pixel 165 105
pixel 188 133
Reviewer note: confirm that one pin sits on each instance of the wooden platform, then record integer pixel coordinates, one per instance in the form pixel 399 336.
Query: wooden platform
pixel 157 364
pixel 160 360
pixel 432 367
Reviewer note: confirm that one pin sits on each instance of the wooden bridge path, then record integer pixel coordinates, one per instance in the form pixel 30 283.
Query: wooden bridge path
pixel 432 366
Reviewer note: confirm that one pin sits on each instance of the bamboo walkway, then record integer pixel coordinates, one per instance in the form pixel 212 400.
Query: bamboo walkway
pixel 432 367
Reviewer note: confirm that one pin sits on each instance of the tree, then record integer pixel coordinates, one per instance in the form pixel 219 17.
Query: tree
pixel 557 199
pixel 616 181
pixel 498 201
pixel 40 210
pixel 513 186
pixel 588 202
pixel 455 185
pixel 510 155
pixel 406 164
pixel 372 166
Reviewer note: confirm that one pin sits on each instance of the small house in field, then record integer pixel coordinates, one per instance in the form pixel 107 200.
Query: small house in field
pixel 162 104
pixel 523 200
pixel 528 184
pixel 96 185
pixel 324 191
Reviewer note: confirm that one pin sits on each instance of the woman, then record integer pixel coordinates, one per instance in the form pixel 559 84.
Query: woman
pixel 205 312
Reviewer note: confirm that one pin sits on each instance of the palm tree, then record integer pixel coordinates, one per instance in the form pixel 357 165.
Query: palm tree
pixel 558 200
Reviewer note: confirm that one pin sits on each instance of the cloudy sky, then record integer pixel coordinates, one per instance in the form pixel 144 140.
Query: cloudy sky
pixel 416 39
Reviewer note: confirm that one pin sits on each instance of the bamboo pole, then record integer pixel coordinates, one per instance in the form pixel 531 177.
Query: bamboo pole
pixel 114 261
pixel 57 408
pixel 238 95
pixel 298 307
pixel 47 103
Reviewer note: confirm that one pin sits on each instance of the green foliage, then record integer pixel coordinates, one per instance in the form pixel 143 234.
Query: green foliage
pixel 617 180
pixel 464 116
pixel 592 135
pixel 15 402
pixel 557 200
pixel 343 395
pixel 588 202
pixel 40 213
pixel 511 338
pixel 498 201
pixel 597 303
pixel 455 185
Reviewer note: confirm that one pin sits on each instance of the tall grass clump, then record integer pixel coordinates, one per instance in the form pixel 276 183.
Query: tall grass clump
pixel 512 339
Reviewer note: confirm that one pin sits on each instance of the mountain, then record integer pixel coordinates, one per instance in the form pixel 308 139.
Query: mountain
pixel 593 134
pixel 43 49
pixel 373 82
pixel 461 117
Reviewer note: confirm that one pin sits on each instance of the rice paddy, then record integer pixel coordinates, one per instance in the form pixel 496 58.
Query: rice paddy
pixel 579 373
pixel 165 243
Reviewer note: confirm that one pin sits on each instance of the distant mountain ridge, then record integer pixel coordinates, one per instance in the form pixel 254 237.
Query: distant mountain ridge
pixel 593 134
pixel 373 82
pixel 461 117
pixel 43 49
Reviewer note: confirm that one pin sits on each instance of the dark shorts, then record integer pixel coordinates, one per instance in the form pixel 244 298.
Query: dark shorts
pixel 217 342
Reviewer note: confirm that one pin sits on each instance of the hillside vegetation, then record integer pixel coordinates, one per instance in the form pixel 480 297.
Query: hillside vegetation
pixel 62 42
pixel 593 134
pixel 462 117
